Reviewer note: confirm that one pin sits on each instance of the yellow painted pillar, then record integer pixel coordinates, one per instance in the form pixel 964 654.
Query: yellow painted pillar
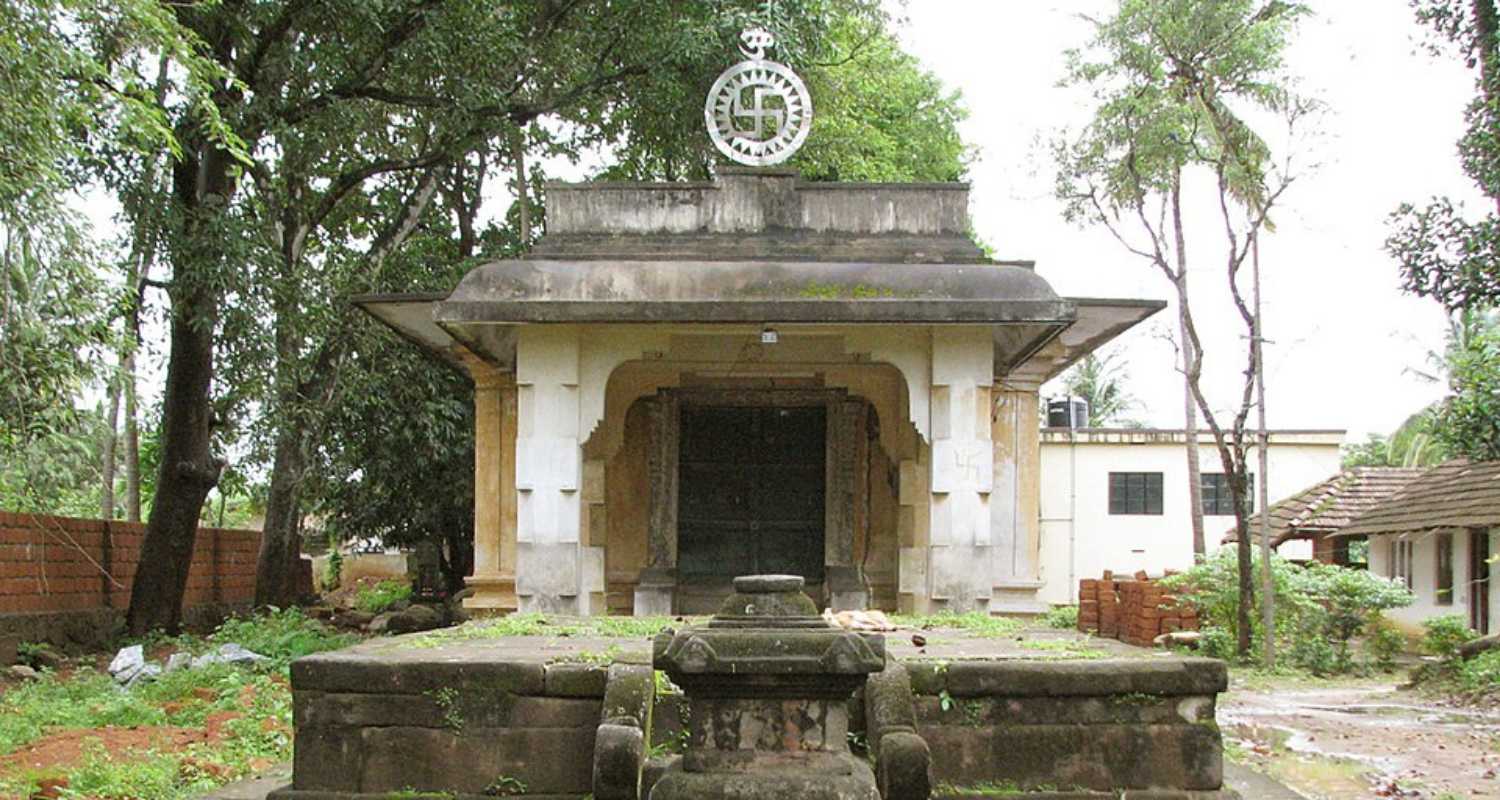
pixel 494 578
pixel 1016 507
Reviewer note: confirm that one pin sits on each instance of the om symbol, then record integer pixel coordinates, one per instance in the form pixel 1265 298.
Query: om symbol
pixel 758 112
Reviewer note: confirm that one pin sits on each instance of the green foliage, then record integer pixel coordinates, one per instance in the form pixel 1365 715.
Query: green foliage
pixel 1164 75
pixel 1320 608
pixel 977 623
pixel 1481 674
pixel 1385 643
pixel 259 696
pixel 1467 422
pixel 542 625
pixel 334 570
pixel 879 115
pixel 90 700
pixel 380 597
pixel 282 635
pixel 1442 636
pixel 1101 380
pixel 1216 642
pixel 1445 253
pixel 1065 617
pixel 505 785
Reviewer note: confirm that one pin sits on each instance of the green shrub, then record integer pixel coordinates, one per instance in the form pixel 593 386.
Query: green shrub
pixel 334 570
pixel 1442 636
pixel 282 635
pixel 1319 607
pixel 380 597
pixel 1215 642
pixel 1384 642
pixel 1480 673
pixel 1065 617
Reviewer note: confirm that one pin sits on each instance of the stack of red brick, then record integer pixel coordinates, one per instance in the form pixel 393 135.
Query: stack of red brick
pixel 1135 611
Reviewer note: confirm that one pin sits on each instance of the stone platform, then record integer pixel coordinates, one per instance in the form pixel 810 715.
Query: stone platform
pixel 463 715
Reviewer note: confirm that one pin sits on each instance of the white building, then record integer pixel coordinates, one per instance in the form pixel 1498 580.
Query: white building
pixel 1117 498
pixel 1439 535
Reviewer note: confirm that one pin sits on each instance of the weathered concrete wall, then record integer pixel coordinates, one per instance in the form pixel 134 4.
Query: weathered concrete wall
pixel 474 721
pixel 1103 726
pixel 749 200
pixel 369 726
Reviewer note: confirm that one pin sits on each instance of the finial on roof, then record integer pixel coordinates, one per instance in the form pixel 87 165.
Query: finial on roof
pixel 758 112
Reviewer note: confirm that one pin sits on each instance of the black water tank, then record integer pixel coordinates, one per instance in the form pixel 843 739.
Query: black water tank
pixel 1068 412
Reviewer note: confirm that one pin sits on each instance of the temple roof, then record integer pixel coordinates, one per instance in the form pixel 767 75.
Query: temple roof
pixel 760 246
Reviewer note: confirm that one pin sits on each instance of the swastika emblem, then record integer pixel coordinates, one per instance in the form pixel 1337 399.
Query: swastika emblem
pixel 758 112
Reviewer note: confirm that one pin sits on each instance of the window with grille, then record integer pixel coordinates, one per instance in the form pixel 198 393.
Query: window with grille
pixel 1444 591
pixel 1135 493
pixel 1400 564
pixel 1217 499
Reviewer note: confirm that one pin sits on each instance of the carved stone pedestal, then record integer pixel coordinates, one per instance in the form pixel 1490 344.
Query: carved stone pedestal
pixel 768 682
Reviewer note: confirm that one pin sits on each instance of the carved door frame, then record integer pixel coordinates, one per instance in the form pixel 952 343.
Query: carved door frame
pixel 844 442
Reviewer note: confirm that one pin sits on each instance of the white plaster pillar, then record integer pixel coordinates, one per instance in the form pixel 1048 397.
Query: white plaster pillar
pixel 962 468
pixel 552 562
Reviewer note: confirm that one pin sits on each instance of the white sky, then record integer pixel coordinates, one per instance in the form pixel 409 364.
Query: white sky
pixel 1343 331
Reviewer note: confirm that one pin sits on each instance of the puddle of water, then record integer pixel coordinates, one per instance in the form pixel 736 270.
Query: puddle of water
pixel 1415 714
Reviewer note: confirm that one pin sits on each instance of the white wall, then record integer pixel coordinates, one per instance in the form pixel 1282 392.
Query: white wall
pixel 1081 539
pixel 1424 577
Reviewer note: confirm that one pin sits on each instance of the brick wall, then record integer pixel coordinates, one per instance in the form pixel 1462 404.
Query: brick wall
pixel 1133 611
pixel 61 564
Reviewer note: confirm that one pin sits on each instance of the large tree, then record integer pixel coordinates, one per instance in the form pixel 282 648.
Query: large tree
pixel 326 101
pixel 383 471
pixel 1454 257
pixel 1170 79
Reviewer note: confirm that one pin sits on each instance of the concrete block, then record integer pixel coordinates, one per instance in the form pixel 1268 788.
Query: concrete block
pixel 1108 758
pixel 547 760
pixel 1168 677
pixel 576 680
pixel 410 672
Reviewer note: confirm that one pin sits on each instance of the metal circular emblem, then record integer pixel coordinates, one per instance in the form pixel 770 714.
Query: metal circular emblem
pixel 758 112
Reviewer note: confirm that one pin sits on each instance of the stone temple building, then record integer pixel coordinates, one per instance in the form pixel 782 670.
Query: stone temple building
pixel 685 382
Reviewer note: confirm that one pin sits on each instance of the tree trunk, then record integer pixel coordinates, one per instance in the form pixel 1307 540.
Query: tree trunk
pixel 281 539
pixel 1189 375
pixel 202 185
pixel 1262 442
pixel 132 434
pixel 518 157
pixel 111 435
pixel 1245 618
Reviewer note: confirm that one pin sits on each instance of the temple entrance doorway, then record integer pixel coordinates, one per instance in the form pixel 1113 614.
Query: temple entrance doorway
pixel 751 497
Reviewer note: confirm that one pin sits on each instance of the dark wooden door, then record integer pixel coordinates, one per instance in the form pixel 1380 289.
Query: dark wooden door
pixel 750 493
pixel 1479 580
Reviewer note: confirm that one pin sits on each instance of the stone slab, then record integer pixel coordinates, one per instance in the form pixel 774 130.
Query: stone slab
pixel 548 760
pixel 487 708
pixel 393 669
pixel 575 680
pixel 1021 678
pixel 1090 757
pixel 1136 709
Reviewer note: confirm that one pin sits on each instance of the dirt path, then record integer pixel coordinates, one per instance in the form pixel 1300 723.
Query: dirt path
pixel 1357 740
